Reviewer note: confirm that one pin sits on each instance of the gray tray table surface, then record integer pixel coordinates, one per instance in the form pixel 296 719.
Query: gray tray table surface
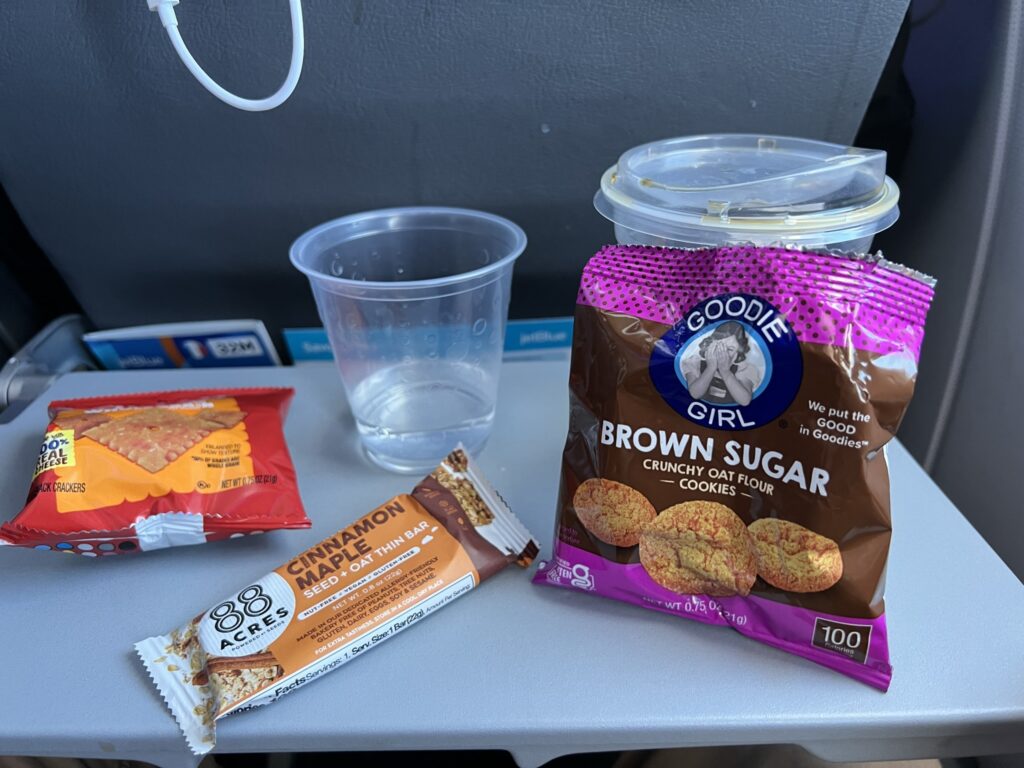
pixel 537 671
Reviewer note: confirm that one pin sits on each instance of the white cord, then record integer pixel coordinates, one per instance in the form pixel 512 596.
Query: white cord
pixel 165 9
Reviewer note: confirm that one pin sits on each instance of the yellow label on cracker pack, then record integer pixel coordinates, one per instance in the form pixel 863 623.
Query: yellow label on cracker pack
pixel 57 450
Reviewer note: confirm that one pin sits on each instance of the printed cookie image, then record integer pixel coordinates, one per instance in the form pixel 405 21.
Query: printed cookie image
pixel 794 558
pixel 699 548
pixel 613 512
pixel 236 679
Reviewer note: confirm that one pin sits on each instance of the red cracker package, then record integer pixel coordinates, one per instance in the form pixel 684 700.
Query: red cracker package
pixel 146 471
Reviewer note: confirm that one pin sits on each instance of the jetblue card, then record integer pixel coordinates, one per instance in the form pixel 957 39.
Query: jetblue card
pixel 550 337
pixel 307 344
pixel 214 344
pixel 528 337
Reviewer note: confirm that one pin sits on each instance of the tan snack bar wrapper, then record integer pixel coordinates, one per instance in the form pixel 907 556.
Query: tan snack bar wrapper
pixel 388 570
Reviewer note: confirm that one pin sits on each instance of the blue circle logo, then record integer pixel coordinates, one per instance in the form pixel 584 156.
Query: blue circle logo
pixel 732 362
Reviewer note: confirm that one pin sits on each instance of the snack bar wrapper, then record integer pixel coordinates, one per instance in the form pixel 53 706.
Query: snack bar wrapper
pixel 390 569
pixel 125 473
pixel 725 461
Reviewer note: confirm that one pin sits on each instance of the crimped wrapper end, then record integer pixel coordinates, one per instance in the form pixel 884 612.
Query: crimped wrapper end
pixel 505 531
pixel 188 703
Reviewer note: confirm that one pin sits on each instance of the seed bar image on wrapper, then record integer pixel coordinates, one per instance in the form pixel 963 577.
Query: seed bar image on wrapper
pixel 725 459
pixel 390 569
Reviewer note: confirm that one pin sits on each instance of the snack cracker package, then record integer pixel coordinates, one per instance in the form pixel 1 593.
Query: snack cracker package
pixel 136 472
pixel 725 459
pixel 333 602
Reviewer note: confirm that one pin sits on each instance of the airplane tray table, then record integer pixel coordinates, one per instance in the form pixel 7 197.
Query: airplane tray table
pixel 537 671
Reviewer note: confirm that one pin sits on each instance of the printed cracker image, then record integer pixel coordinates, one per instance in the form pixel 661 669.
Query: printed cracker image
pixel 78 421
pixel 699 547
pixel 220 419
pixel 154 437
pixel 613 512
pixel 794 558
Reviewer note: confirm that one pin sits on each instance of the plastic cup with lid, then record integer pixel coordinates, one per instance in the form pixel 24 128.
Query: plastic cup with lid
pixel 415 301
pixel 700 191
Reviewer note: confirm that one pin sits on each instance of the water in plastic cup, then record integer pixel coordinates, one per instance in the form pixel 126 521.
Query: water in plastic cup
pixel 414 301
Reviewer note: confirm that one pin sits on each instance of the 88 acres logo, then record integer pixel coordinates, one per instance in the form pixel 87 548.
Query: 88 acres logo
pixel 250 620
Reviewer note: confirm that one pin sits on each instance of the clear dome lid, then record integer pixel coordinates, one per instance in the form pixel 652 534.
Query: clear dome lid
pixel 748 188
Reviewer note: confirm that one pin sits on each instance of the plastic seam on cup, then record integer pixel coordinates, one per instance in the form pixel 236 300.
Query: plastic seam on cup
pixel 305 238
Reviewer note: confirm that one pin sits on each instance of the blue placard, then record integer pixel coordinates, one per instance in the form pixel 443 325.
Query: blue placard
pixel 306 344
pixel 521 337
pixel 213 350
pixel 532 335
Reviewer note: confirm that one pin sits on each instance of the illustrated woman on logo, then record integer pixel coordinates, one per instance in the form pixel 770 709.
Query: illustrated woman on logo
pixel 718 370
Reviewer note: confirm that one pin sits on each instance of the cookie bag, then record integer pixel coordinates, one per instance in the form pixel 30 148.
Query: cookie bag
pixel 725 459
pixel 125 473
pixel 339 598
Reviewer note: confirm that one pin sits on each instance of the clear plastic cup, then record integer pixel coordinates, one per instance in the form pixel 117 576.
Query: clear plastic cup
pixel 721 189
pixel 415 301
